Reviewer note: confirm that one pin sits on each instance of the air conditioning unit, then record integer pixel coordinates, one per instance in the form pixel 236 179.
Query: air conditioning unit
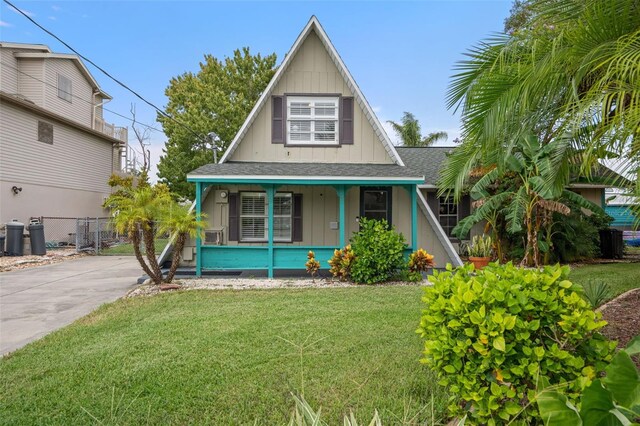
pixel 214 237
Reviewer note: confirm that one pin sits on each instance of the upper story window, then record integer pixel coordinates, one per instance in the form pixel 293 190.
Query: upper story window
pixel 64 88
pixel 312 120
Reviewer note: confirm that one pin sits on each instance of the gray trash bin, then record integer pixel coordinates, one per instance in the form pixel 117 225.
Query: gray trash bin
pixel 1 245
pixel 15 245
pixel 36 238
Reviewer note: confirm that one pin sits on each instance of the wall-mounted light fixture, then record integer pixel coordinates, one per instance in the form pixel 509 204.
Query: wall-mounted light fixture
pixel 16 190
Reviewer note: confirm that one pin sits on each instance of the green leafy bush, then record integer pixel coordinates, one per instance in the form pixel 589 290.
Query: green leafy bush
pixel 378 251
pixel 498 335
pixel 614 400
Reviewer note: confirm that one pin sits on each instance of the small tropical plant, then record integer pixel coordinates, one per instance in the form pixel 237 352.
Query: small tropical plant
pixel 305 415
pixel 312 265
pixel 378 251
pixel 613 400
pixel 596 292
pixel 481 246
pixel 498 336
pixel 419 261
pixel 341 263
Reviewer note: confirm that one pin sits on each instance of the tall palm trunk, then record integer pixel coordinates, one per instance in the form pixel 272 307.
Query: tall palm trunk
pixel 150 246
pixel 177 254
pixel 135 241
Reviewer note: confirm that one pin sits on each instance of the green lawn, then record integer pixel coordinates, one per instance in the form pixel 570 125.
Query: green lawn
pixel 228 357
pixel 127 249
pixel 621 277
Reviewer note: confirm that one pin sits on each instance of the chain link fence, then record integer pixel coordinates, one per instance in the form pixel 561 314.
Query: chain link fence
pixel 84 234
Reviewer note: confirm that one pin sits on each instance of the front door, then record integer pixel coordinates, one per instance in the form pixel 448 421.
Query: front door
pixel 375 202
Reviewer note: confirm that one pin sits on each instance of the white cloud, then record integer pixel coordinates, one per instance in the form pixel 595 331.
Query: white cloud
pixel 18 11
pixel 56 8
pixel 53 18
pixel 5 24
pixel 376 109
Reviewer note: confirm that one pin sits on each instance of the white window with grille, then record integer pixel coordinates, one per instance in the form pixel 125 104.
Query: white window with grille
pixel 64 88
pixel 254 216
pixel 312 121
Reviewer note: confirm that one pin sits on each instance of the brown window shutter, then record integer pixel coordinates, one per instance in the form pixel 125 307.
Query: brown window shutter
pixel 346 121
pixel 297 217
pixel 234 220
pixel 278 119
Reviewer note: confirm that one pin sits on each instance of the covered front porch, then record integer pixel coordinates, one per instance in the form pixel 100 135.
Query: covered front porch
pixel 324 214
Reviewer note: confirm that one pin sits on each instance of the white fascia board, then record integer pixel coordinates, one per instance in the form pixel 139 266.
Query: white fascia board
pixel 427 186
pixel 589 185
pixel 40 47
pixel 314 24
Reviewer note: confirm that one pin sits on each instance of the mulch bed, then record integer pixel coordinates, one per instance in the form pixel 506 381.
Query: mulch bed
pixel 623 316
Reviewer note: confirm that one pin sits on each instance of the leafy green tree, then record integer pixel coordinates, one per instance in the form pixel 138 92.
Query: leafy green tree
pixel 218 98
pixel 577 74
pixel 410 134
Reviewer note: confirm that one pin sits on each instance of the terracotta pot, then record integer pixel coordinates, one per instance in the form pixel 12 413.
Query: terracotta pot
pixel 479 262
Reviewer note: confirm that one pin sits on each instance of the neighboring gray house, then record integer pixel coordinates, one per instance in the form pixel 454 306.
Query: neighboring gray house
pixel 56 150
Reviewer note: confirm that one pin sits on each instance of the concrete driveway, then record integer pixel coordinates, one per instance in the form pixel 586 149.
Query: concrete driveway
pixel 37 301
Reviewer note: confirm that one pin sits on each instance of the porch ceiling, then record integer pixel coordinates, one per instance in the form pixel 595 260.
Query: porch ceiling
pixel 304 172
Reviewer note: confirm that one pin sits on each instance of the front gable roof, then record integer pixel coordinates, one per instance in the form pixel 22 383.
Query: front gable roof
pixel 314 26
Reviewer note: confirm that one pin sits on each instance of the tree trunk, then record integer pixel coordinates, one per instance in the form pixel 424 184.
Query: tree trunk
pixel 177 254
pixel 135 241
pixel 150 248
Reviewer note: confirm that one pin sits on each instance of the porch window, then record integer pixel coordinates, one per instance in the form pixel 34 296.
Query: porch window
pixel 312 121
pixel 448 214
pixel 375 203
pixel 254 216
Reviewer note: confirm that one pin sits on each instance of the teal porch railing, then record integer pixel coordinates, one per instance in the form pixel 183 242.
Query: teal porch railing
pixel 223 258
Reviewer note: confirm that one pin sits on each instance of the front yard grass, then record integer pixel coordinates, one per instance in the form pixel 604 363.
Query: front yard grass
pixel 620 277
pixel 228 357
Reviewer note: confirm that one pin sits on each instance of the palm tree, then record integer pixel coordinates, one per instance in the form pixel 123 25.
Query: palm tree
pixel 136 209
pixel 537 175
pixel 181 221
pixel 410 133
pixel 576 72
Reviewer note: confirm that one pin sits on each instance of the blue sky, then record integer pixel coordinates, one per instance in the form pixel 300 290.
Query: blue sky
pixel 400 53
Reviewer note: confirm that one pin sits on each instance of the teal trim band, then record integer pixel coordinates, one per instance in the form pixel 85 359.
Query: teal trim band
pixel 414 217
pixel 198 242
pixel 222 258
pixel 308 182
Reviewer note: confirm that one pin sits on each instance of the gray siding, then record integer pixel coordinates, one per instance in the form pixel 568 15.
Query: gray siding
pixel 8 72
pixel 80 108
pixel 30 80
pixel 76 160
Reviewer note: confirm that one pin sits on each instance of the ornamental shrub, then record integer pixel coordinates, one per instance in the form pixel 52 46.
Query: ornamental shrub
pixel 341 263
pixel 378 251
pixel 498 336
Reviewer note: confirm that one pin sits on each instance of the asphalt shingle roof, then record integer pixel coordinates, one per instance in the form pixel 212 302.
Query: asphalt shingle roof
pixel 426 162
pixel 302 170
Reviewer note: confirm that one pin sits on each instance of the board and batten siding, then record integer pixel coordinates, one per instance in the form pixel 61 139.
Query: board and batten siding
pixel 80 108
pixel 311 71
pixel 30 80
pixel 75 160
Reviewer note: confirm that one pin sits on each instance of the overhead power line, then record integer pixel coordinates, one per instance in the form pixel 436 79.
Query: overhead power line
pixel 161 111
pixel 148 126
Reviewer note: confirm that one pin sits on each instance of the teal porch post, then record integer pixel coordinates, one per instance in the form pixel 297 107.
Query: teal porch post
pixel 198 242
pixel 270 189
pixel 414 216
pixel 341 190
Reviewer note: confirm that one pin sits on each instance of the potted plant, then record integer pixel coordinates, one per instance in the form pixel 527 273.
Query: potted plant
pixel 480 251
